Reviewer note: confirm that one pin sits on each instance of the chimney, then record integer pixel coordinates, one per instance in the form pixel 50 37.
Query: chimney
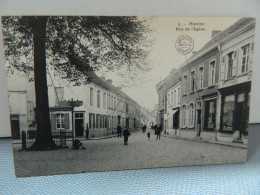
pixel 109 81
pixel 214 33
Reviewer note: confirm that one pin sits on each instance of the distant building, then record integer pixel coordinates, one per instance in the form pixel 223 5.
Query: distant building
pixel 237 52
pixel 215 85
pixel 199 89
pixel 97 106
pixel 173 103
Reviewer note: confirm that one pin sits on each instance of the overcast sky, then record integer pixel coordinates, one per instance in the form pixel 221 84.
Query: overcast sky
pixel 164 56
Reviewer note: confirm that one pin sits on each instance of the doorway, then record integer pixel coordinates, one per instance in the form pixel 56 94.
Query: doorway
pixel 239 116
pixel 79 124
pixel 210 115
pixel 15 127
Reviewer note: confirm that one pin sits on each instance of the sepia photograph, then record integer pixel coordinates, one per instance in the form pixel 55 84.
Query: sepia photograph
pixel 111 93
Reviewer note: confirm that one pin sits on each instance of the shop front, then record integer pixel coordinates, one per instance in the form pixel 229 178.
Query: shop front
pixel 234 111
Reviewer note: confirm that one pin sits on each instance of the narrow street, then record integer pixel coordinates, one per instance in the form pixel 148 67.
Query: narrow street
pixel 112 154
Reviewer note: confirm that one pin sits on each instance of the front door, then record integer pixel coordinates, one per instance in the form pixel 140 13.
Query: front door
pixel 210 115
pixel 118 119
pixel 79 124
pixel 15 127
pixel 198 123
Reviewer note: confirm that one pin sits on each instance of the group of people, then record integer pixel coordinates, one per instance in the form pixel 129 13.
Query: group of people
pixel 157 130
pixel 126 134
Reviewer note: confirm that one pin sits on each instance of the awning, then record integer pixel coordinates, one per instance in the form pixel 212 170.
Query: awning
pixel 171 113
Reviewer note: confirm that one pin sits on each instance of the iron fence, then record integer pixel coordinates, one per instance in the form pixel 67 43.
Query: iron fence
pixel 60 138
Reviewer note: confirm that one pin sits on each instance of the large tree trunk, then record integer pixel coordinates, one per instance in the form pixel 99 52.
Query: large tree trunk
pixel 44 140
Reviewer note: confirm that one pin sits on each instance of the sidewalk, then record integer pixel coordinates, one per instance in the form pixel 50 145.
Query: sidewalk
pixel 206 137
pixel 105 137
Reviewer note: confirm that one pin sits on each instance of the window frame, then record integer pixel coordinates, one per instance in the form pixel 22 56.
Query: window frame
pixel 212 79
pixel 104 100
pixel 192 81
pixel 192 114
pixel 98 99
pixel 230 63
pixel 185 84
pixel 201 84
pixel 248 46
pixel 91 99
pixel 59 118
pixel 184 115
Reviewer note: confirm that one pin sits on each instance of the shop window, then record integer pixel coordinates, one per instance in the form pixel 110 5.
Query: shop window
pixel 210 114
pixel 228 110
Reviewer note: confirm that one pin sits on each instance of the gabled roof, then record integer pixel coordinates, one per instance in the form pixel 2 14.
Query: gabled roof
pixel 237 26
pixel 171 79
pixel 95 79
pixel 105 84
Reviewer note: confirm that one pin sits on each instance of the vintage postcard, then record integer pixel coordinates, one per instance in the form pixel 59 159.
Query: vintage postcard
pixel 109 93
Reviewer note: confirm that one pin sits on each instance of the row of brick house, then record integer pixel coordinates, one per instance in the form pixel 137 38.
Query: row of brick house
pixel 210 93
pixel 97 105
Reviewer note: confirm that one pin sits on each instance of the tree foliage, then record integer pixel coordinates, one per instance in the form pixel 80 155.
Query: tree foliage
pixel 78 43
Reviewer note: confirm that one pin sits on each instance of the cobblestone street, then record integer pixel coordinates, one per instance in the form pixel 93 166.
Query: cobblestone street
pixel 111 154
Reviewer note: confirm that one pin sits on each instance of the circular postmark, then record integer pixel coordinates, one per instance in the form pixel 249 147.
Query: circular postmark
pixel 184 44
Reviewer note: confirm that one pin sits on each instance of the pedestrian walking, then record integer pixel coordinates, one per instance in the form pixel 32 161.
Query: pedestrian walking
pixel 126 134
pixel 198 126
pixel 148 135
pixel 144 128
pixel 158 135
pixel 119 131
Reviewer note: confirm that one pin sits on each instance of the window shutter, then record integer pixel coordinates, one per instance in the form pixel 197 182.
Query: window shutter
pixel 181 110
pixel 97 124
pixel 66 121
pixel 187 117
pixel 223 65
pixel 94 122
pixel 209 74
pixel 53 122
pixel 234 68
pixel 251 55
pixel 89 120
